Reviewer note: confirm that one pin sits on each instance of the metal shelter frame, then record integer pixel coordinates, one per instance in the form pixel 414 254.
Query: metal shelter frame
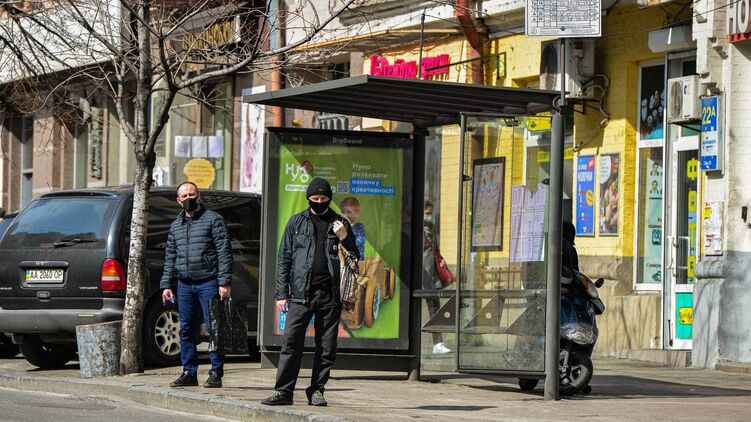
pixel 426 103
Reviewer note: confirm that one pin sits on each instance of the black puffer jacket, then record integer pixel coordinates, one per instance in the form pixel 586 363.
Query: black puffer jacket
pixel 296 252
pixel 197 251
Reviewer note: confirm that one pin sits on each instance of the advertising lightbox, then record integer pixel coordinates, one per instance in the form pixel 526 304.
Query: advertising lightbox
pixel 371 177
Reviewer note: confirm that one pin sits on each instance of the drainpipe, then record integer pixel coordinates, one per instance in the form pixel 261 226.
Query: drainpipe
pixel 276 73
pixel 474 38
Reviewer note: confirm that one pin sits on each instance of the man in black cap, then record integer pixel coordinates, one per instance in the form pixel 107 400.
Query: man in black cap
pixel 307 285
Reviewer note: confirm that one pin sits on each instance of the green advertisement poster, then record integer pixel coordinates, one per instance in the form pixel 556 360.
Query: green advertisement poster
pixel 370 181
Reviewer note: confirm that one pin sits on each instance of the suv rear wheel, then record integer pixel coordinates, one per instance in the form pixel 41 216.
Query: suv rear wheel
pixel 161 335
pixel 46 355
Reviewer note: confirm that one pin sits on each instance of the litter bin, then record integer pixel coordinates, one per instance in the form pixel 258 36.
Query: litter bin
pixel 99 349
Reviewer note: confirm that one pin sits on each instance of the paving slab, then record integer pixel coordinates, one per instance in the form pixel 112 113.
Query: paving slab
pixel 622 390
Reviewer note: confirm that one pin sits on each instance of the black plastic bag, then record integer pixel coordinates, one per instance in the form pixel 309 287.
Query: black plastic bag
pixel 228 327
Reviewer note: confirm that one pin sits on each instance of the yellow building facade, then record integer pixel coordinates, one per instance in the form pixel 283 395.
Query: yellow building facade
pixel 606 131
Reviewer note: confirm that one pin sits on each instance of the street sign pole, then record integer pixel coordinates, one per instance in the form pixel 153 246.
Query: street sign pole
pixel 552 308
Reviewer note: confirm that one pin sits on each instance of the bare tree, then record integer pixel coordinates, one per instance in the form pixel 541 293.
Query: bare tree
pixel 128 51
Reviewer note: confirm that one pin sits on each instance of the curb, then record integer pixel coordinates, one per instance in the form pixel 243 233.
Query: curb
pixel 734 368
pixel 161 397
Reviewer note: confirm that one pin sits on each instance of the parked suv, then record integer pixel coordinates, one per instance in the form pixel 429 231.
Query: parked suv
pixel 64 260
pixel 7 348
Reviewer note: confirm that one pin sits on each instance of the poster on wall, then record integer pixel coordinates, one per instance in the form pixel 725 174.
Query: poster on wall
pixel 609 177
pixel 652 230
pixel 370 175
pixel 712 228
pixel 585 196
pixel 651 103
pixel 251 143
pixel 487 204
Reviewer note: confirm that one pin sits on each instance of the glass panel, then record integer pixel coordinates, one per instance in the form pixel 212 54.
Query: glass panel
pixel 649 246
pixel 688 165
pixel 502 290
pixel 439 240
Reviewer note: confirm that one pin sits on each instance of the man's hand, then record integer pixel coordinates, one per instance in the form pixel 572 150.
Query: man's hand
pixel 281 305
pixel 224 292
pixel 340 230
pixel 167 295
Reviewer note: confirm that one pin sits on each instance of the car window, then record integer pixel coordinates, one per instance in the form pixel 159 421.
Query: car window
pixel 4 224
pixel 50 220
pixel 242 215
pixel 162 212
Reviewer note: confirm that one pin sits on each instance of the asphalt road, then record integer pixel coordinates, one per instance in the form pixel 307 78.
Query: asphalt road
pixel 22 406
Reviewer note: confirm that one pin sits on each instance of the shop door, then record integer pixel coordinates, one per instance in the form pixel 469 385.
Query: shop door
pixel 682 247
pixel 501 291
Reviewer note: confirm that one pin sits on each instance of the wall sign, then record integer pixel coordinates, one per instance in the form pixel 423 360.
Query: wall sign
pixel 609 193
pixel 711 158
pixel 545 18
pixel 738 21
pixel 585 196
pixel 380 66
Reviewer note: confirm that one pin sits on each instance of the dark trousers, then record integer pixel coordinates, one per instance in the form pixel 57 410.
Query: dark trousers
pixel 434 305
pixel 327 312
pixel 193 300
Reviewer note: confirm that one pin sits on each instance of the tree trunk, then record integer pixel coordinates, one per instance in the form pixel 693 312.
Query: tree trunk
pixel 131 357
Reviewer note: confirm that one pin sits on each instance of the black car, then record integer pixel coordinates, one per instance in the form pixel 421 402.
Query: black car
pixel 64 260
pixel 7 348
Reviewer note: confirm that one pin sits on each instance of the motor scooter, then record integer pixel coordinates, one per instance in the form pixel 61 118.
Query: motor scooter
pixel 580 304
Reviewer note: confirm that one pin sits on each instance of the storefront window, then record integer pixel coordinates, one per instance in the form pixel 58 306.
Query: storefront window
pixel 197 139
pixel 650 217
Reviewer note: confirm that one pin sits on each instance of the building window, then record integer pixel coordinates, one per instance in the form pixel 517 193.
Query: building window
pixel 27 160
pixel 81 155
pixel 650 218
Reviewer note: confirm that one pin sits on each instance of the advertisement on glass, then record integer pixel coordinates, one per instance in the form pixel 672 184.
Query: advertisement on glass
pixel 651 104
pixel 371 177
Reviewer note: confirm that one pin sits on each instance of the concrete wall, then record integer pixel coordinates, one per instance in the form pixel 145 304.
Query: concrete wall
pixel 722 322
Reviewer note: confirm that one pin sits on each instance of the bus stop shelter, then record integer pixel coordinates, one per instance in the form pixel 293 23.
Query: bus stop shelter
pixel 532 287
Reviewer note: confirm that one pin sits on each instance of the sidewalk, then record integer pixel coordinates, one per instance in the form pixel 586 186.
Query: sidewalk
pixel 622 390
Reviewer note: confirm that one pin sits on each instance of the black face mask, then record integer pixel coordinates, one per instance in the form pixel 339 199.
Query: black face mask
pixel 190 204
pixel 319 207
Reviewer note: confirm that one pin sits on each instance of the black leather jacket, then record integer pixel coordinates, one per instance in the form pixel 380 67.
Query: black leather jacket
pixel 296 252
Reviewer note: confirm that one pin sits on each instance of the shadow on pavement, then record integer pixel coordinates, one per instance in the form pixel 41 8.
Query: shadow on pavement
pixel 626 387
pixel 456 408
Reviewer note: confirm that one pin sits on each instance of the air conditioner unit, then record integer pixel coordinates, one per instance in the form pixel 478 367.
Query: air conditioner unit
pixel 683 99
pixel 580 66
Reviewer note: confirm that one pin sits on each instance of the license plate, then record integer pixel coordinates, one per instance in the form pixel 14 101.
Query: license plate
pixel 46 276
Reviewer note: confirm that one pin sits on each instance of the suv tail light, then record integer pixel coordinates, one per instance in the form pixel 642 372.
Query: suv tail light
pixel 113 276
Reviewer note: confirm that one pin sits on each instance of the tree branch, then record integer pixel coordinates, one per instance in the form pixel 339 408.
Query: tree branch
pixel 237 66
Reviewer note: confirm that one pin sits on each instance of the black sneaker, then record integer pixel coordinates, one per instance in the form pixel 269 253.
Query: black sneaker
pixel 214 380
pixel 277 399
pixel 186 379
pixel 316 398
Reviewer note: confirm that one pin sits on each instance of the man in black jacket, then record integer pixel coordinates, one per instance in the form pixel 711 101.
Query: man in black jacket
pixel 198 252
pixel 308 285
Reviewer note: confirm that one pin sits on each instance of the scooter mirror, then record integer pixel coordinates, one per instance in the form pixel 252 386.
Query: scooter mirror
pixel 600 281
